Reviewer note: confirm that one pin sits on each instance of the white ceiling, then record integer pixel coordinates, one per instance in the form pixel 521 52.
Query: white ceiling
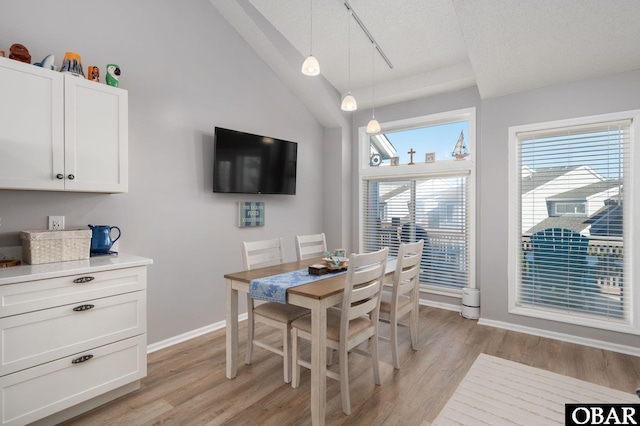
pixel 435 46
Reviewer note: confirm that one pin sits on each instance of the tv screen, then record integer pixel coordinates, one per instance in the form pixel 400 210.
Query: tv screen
pixel 251 164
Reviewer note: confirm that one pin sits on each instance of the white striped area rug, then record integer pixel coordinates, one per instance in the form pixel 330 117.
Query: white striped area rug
pixel 500 392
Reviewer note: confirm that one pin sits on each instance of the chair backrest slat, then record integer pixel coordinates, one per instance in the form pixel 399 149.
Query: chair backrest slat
pixel 365 275
pixel 406 275
pixel 258 254
pixel 308 246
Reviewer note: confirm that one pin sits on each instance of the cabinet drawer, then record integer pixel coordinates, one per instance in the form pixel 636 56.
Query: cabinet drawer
pixel 35 393
pixel 42 294
pixel 42 336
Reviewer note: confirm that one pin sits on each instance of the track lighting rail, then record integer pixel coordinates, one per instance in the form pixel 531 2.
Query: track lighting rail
pixel 367 33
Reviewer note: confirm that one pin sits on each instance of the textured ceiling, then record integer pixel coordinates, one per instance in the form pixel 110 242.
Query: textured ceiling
pixel 502 46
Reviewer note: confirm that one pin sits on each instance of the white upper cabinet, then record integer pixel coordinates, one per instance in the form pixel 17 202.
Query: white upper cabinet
pixel 96 136
pixel 60 132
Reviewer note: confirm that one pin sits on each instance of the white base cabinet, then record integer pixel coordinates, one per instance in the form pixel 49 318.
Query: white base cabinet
pixel 70 333
pixel 59 132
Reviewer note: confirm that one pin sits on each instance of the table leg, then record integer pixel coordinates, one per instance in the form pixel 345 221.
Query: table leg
pixel 318 363
pixel 232 330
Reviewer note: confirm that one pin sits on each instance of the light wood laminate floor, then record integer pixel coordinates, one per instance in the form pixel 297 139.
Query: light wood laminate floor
pixel 186 383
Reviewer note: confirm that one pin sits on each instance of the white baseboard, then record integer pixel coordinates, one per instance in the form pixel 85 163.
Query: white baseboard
pixel 439 305
pixel 629 350
pixel 189 335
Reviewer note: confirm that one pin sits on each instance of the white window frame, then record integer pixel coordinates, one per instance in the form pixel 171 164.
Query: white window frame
pixel 427 170
pixel 631 230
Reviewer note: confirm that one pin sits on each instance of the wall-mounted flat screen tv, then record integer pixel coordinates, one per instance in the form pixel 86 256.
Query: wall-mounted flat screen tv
pixel 251 164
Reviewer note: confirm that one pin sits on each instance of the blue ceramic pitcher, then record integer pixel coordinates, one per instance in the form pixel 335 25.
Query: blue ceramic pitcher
pixel 101 241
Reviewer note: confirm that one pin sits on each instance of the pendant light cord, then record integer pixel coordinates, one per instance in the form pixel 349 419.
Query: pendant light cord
pixel 349 50
pixel 373 79
pixel 311 31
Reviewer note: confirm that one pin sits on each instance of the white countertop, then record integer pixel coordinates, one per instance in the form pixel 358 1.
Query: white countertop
pixel 25 272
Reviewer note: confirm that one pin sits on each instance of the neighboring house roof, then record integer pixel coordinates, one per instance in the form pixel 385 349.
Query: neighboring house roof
pixel 583 192
pixel 575 223
pixel 544 175
pixel 607 222
pixel 383 145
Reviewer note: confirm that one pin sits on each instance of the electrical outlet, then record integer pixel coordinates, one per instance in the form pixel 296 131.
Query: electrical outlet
pixel 56 223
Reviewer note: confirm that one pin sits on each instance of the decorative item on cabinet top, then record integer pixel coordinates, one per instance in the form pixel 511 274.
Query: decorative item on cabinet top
pixel 47 63
pixel 55 246
pixel 94 73
pixel 113 73
pixel 19 53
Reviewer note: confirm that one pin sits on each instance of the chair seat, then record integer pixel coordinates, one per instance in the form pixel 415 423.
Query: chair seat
pixel 279 312
pixel 333 324
pixel 385 302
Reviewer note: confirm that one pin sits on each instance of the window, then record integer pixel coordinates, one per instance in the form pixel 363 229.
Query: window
pixel 570 227
pixel 562 209
pixel 431 199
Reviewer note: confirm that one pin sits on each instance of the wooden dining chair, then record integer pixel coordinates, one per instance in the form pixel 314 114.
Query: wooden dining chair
pixel 356 322
pixel 403 297
pixel 257 254
pixel 308 246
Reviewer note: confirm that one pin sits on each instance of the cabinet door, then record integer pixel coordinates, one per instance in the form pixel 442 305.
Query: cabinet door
pixel 31 127
pixel 96 136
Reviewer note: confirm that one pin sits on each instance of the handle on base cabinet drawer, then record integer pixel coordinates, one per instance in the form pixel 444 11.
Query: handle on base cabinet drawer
pixel 83 308
pixel 83 358
pixel 83 280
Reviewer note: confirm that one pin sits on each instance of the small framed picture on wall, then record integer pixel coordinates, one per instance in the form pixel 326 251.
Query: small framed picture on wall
pixel 395 161
pixel 430 157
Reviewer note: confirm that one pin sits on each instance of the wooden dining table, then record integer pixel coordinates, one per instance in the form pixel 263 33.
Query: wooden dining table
pixel 317 296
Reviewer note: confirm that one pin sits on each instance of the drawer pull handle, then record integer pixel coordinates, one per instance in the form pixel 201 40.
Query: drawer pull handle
pixel 83 308
pixel 83 358
pixel 83 280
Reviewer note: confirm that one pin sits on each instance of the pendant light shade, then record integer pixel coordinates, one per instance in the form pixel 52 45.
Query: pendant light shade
pixel 349 102
pixel 373 126
pixel 310 66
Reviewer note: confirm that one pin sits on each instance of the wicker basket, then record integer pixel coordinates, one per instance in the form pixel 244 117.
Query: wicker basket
pixel 55 246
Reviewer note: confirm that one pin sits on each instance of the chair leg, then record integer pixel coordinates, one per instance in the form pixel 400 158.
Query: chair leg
pixel 393 325
pixel 413 327
pixel 374 358
pixel 250 326
pixel 295 355
pixel 344 379
pixel 286 354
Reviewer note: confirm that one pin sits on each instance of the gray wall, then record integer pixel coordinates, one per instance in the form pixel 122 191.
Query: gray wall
pixel 608 94
pixel 186 71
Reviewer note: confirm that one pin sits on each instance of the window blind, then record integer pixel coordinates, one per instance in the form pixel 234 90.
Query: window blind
pixel 572 218
pixel 435 209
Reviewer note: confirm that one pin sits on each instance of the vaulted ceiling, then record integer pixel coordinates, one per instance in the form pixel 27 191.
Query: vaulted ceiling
pixel 435 46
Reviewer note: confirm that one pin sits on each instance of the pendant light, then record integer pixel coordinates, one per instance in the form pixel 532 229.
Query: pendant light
pixel 373 126
pixel 349 102
pixel 310 66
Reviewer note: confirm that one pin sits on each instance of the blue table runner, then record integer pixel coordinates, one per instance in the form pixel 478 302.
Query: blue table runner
pixel 274 288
